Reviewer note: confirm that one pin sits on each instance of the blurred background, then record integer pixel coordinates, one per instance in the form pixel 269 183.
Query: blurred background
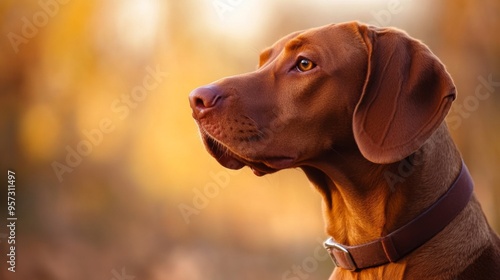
pixel 112 179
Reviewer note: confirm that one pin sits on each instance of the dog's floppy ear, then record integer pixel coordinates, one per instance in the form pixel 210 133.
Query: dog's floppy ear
pixel 406 95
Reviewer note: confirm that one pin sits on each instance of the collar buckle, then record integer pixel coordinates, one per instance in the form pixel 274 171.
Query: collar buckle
pixel 340 255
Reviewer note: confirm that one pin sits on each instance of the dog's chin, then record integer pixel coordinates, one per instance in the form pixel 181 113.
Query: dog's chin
pixel 222 154
pixel 228 159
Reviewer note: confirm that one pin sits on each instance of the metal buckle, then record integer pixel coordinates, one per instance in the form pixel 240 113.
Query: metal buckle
pixel 331 245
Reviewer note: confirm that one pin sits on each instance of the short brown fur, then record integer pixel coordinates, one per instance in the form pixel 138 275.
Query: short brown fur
pixel 373 105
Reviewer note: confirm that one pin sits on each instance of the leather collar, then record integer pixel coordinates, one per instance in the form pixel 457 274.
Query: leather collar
pixel 409 237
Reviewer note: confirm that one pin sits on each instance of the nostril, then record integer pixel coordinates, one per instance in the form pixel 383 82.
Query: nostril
pixel 199 102
pixel 204 98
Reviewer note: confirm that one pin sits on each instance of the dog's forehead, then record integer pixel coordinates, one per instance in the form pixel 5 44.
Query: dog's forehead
pixel 272 51
pixel 318 36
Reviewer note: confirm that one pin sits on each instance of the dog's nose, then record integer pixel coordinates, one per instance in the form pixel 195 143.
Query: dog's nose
pixel 204 98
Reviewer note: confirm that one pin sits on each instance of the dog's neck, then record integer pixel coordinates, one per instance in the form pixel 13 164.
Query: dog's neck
pixel 364 201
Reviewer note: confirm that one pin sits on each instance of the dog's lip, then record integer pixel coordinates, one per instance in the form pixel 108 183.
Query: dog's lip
pixel 260 166
pixel 222 154
pixel 278 162
pixel 269 165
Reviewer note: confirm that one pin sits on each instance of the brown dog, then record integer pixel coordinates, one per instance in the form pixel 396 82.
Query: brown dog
pixel 360 109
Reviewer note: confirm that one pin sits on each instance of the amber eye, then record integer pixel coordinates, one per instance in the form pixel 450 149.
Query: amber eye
pixel 304 64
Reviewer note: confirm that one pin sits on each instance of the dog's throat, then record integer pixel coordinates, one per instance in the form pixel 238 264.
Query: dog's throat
pixel 409 237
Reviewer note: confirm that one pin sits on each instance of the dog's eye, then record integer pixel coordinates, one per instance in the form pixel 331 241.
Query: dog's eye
pixel 304 65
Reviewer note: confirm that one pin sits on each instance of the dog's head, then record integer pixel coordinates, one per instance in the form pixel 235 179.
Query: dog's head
pixel 341 87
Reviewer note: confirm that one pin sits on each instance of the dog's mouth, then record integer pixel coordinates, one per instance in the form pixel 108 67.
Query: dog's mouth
pixel 260 166
pixel 221 153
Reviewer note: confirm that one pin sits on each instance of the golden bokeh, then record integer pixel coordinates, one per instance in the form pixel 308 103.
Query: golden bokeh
pixel 112 177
